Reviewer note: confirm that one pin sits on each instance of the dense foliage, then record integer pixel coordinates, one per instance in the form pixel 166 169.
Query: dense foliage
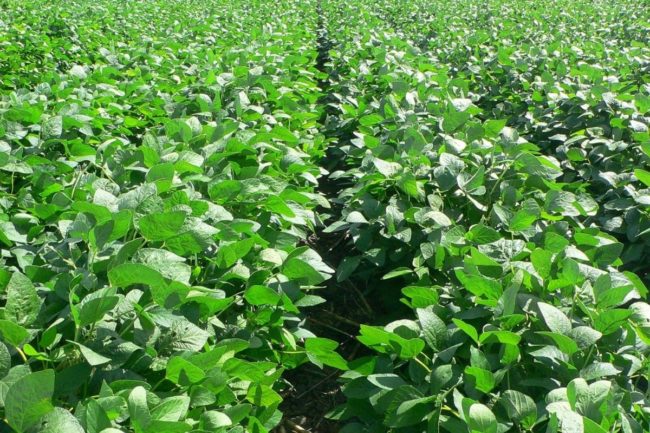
pixel 496 172
pixel 166 176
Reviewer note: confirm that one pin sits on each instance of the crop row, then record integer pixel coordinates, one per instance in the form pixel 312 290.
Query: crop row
pixel 158 179
pixel 493 172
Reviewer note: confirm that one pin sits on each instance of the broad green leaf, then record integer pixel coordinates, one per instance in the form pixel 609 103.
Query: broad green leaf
pixel 434 329
pixel 13 333
pixel 484 380
pixel 371 119
pixel 28 399
pixel 5 360
pixel 261 295
pixel 161 226
pixel 173 408
pixel 262 395
pixel 227 255
pixel 453 120
pixel 643 176
pixel 138 409
pixel 421 296
pixel 554 319
pixel 183 372
pixel 480 419
pixel 93 358
pixel 94 309
pixel 212 420
pixel 60 420
pixel 23 303
pixel 322 351
pixel 520 407
pixel 96 419
pixel 467 329
pixel 162 175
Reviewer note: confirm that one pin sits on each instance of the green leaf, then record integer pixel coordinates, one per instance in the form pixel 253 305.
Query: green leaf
pixel 213 420
pixel 95 309
pixel 453 120
pixel 298 269
pixel 504 337
pixel 96 418
pixel 347 266
pixel 138 409
pixel 172 408
pixel 262 395
pixel 521 221
pixel 322 351
pixel 168 264
pixel 279 206
pixel 480 419
pixel 564 343
pixel 29 399
pixel 421 296
pixel 493 127
pixel 610 321
pixel 484 380
pixel 542 262
pixel 584 336
pixel 93 358
pixel 228 254
pixel 371 119
pixel 520 407
pixel 262 295
pixel 128 274
pixel 467 329
pixel 397 273
pixel 60 420
pixel 481 234
pixel 284 134
pixel 433 328
pixel 162 175
pixel 13 333
pixel 555 319
pixel 388 342
pixel 224 190
pixel 23 303
pixel 161 226
pixel 5 360
pixel 183 372
pixel 405 410
pixel 643 176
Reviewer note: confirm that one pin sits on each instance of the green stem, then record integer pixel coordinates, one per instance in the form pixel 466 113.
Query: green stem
pixel 22 354
pixel 422 364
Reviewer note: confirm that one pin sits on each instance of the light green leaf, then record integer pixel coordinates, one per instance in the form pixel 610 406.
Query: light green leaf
pixel 322 351
pixel 467 329
pixel 643 176
pixel 261 295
